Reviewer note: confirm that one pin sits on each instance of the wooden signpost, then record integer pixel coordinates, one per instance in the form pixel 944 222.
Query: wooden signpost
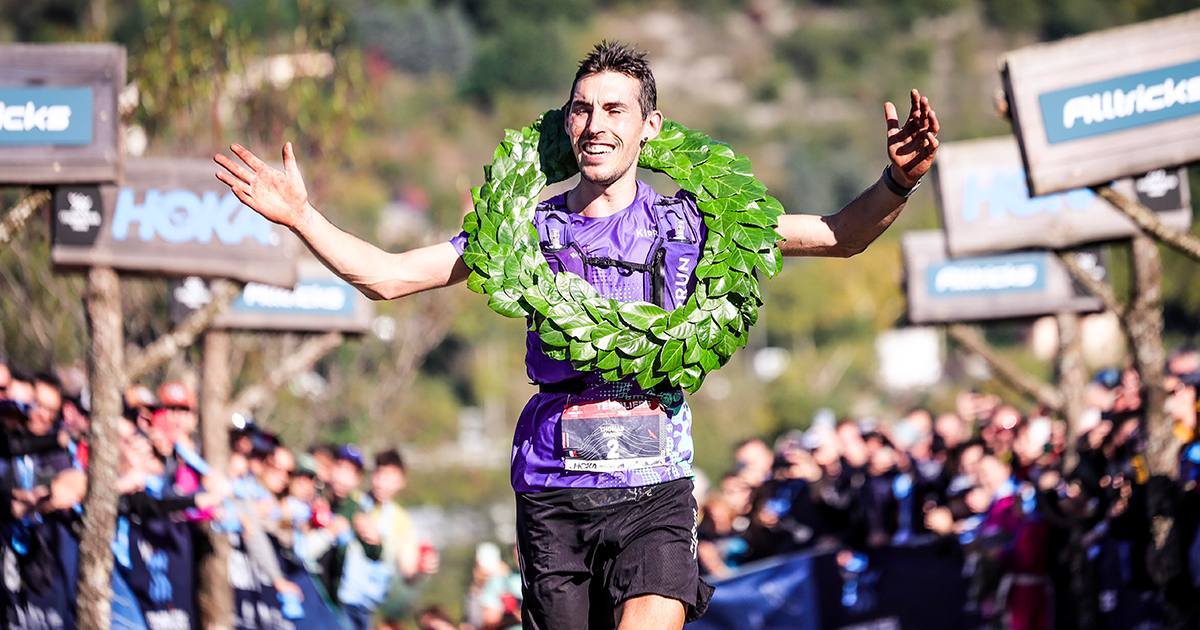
pixel 986 207
pixel 58 113
pixel 170 217
pixel 1095 108
pixel 320 302
pixel 1003 286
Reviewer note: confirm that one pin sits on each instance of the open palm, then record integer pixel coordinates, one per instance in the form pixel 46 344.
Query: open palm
pixel 912 147
pixel 277 195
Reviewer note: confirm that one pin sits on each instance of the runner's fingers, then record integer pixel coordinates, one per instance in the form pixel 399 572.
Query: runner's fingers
pixel 243 196
pixel 234 168
pixel 233 182
pixel 249 158
pixel 893 119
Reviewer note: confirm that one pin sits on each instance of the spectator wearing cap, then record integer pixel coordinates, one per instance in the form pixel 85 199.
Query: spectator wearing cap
pixel 349 531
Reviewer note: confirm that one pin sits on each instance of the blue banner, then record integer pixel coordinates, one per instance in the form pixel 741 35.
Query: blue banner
pixel 912 588
pixel 1126 102
pixel 256 604
pixel 46 116
pixel 776 595
pixel 1006 274
pixel 310 297
pixel 161 574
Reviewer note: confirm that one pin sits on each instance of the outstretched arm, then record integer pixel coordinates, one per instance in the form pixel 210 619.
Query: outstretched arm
pixel 911 149
pixel 281 196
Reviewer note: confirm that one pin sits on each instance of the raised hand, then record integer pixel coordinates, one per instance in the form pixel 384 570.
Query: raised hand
pixel 277 195
pixel 913 146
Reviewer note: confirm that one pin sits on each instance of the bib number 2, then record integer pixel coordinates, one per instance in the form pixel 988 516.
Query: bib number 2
pixel 615 435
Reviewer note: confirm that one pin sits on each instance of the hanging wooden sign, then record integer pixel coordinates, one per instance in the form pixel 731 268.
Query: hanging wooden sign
pixel 59 122
pixel 320 302
pixel 172 217
pixel 1120 102
pixel 1004 286
pixel 986 207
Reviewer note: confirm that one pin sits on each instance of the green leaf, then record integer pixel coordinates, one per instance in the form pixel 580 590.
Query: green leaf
pixel 505 302
pixel 552 338
pixel 726 346
pixel 693 352
pixel 771 205
pixel 475 282
pixel 771 262
pixel 693 378
pixel 709 360
pixel 640 315
pixel 633 344
pixel 475 260
pixel 746 184
pixel 647 378
pixel 671 136
pixel 709 332
pixel 741 166
pixel 721 187
pixel 671 356
pixel 582 351
pixel 608 360
pixel 557 354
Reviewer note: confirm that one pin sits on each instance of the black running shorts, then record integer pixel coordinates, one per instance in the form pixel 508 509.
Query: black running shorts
pixel 585 550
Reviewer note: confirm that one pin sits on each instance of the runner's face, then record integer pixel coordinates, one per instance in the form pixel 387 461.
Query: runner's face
pixel 606 126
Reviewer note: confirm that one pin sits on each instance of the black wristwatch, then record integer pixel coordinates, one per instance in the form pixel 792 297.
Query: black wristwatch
pixel 895 186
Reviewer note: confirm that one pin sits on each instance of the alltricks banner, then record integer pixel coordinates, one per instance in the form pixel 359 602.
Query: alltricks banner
pixel 319 302
pixel 59 122
pixel 1002 286
pixel 1091 109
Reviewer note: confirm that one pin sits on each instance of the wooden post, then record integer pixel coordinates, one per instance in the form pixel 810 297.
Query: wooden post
pixel 1145 324
pixel 106 361
pixel 1072 378
pixel 215 596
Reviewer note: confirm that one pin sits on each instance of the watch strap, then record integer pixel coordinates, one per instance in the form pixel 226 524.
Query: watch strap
pixel 894 186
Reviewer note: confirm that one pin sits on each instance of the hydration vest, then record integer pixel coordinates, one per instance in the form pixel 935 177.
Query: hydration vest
pixel 667 278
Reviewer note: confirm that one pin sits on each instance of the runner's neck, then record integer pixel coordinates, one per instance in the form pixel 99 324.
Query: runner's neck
pixel 595 200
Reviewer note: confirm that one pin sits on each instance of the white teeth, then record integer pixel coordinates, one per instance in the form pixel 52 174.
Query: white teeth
pixel 597 150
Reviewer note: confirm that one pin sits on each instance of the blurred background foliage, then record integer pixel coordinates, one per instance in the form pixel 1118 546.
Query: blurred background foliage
pixel 393 133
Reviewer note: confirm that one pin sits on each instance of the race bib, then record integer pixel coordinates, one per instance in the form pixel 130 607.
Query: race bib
pixel 614 435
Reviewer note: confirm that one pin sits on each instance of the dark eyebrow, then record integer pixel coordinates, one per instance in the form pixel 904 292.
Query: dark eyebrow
pixel 613 104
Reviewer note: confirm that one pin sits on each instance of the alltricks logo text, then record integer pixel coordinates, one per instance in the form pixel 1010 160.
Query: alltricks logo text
pixel 1121 103
pixel 46 116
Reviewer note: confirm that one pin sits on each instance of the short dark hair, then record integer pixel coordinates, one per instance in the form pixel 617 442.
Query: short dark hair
pixel 390 457
pixel 610 56
pixel 21 374
pixel 48 378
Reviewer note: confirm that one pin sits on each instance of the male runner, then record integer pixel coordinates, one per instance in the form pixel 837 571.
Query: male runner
pixel 606 531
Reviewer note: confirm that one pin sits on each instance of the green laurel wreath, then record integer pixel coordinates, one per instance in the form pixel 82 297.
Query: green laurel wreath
pixel 624 339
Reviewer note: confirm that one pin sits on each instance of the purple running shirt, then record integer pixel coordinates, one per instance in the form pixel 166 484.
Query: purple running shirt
pixel 649 444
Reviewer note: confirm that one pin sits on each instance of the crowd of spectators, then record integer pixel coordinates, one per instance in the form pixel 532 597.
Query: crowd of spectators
pixel 1053 527
pixel 1054 534
pixel 330 508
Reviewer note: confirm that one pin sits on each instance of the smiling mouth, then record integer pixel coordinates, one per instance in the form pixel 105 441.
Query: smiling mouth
pixel 596 149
